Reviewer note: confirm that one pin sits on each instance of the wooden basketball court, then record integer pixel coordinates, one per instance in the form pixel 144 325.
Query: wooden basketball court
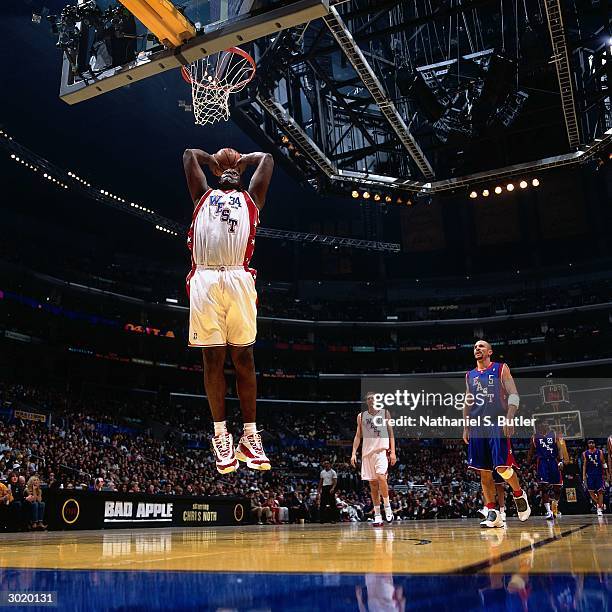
pixel 286 566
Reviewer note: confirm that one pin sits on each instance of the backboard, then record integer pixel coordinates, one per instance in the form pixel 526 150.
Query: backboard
pixel 113 49
pixel 568 423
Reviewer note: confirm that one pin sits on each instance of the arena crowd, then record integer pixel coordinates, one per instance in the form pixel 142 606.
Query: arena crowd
pixel 84 446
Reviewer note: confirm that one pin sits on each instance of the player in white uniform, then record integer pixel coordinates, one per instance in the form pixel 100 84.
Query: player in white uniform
pixel 378 442
pixel 222 296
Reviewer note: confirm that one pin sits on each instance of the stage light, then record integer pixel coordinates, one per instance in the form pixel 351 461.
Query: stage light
pixel 473 195
pixel 399 201
pixel 355 194
pixel 535 182
pixel 409 202
pixel 523 184
pixel 510 187
pixel 388 199
pixel 377 197
pixel 498 190
pixel 366 195
pixel 285 139
pixel 485 193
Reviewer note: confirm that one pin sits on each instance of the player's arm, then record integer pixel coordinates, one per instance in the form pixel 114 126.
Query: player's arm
pixel 584 466
pixel 604 465
pixel 334 483
pixel 260 181
pixel 513 397
pixel 393 456
pixel 531 451
pixel 467 406
pixel 193 162
pixel 356 441
pixel 562 447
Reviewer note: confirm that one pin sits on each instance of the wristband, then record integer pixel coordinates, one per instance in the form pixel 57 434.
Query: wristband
pixel 514 400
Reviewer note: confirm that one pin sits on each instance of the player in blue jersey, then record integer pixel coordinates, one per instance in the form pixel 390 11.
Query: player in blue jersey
pixel 549 449
pixel 610 459
pixel 492 399
pixel 593 466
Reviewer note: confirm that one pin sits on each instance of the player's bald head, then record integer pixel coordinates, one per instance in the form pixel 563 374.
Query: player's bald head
pixel 487 345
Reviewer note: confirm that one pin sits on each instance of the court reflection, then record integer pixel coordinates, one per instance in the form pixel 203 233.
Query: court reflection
pixel 374 592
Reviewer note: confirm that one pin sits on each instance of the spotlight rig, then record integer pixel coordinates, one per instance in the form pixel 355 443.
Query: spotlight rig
pixel 95 40
pixel 485 96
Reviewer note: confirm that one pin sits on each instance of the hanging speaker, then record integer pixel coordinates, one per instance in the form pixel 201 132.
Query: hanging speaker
pixel 421 92
pixel 499 82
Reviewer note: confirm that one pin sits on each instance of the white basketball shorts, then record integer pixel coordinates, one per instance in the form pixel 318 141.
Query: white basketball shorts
pixel 222 307
pixel 374 464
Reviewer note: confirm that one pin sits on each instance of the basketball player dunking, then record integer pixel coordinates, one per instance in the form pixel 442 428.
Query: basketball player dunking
pixel 489 447
pixel 221 289
pixel 378 450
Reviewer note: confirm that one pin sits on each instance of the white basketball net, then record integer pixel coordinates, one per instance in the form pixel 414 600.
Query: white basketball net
pixel 213 79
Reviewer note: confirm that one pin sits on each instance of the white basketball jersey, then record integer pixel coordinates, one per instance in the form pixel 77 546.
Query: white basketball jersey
pixel 375 435
pixel 222 231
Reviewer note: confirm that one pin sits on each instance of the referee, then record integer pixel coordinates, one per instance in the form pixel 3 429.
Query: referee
pixel 328 480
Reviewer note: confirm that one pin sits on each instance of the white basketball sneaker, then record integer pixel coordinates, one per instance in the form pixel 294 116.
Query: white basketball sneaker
pixel 523 508
pixel 378 522
pixel 250 450
pixel 225 458
pixel 493 520
pixel 502 516
pixel 388 514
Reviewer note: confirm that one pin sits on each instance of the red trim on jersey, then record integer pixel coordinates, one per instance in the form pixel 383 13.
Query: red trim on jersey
pixel 510 459
pixel 196 210
pixel 253 223
pixel 485 369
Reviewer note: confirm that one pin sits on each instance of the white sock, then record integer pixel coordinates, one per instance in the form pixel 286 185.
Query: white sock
pixel 502 508
pixel 386 502
pixel 220 427
pixel 547 506
pixel 250 428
